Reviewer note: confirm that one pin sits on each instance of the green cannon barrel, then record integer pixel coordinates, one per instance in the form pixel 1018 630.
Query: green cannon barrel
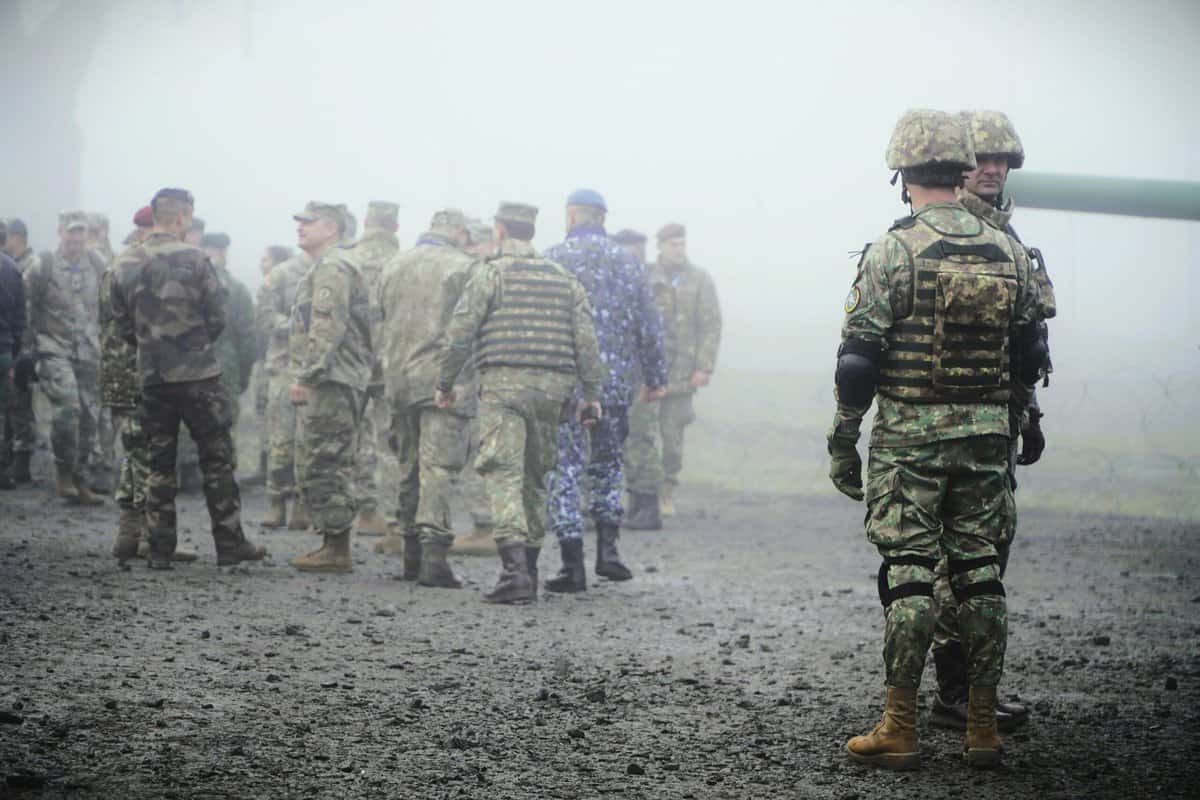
pixel 1130 197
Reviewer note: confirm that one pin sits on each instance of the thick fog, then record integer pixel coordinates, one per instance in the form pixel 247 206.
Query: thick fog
pixel 761 126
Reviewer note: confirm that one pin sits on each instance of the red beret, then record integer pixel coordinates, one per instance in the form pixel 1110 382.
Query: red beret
pixel 144 218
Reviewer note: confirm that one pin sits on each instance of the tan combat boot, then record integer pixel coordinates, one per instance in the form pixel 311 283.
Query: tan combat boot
pixel 479 542
pixel 334 555
pixel 300 520
pixel 893 744
pixel 982 747
pixel 666 500
pixel 276 512
pixel 129 535
pixel 64 483
pixel 84 495
pixel 370 523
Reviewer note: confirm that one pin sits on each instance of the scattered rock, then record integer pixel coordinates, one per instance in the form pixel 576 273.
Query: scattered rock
pixel 110 704
pixel 1102 641
pixel 635 769
pixel 597 695
pixel 157 702
pixel 1172 684
pixel 9 718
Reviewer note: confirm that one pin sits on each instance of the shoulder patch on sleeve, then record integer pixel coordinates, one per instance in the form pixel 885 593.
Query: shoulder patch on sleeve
pixel 852 299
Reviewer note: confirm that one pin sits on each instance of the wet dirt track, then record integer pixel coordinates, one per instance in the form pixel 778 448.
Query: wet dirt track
pixel 735 665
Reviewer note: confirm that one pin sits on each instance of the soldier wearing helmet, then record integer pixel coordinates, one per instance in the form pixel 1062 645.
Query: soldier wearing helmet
pixel 938 307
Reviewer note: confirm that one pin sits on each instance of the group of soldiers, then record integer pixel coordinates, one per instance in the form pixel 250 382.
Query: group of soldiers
pixel 472 346
pixel 468 347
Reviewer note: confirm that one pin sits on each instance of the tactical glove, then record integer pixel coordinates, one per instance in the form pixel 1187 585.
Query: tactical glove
pixel 845 469
pixel 1033 441
pixel 24 371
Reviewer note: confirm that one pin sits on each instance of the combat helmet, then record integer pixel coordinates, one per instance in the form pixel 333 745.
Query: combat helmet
pixel 993 134
pixel 930 139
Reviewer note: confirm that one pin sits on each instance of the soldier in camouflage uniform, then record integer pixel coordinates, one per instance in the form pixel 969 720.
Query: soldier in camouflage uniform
pixel 687 299
pixel 62 292
pixel 271 257
pixel 22 420
pixel 417 295
pixel 331 360
pixel 377 246
pixel 12 333
pixel 104 450
pixel 997 150
pixel 528 324
pixel 276 298
pixel 929 321
pixel 180 376
pixel 629 332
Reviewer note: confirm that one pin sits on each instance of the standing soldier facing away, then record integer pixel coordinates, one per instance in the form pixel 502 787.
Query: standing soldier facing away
pixel 529 325
pixel 21 417
pixel 331 362
pixel 169 304
pixel 418 294
pixel 629 333
pixel 940 332
pixel 687 299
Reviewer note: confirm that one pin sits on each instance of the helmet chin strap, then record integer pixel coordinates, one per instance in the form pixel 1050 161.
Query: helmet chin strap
pixel 904 196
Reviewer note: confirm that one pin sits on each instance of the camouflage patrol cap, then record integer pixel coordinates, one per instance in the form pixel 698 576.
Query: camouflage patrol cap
pixel 628 236
pixel 315 210
pixel 924 138
pixel 992 133
pixel 97 221
pixel 448 218
pixel 517 212
pixel 672 230
pixel 72 220
pixel 16 227
pixel 479 231
pixel 216 241
pixel 381 214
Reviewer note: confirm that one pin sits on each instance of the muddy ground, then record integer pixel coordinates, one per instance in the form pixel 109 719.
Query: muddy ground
pixel 735 665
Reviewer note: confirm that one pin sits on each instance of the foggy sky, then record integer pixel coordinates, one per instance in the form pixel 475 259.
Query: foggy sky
pixel 761 126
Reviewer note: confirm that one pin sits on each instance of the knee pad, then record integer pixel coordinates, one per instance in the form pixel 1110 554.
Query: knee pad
pixel 986 586
pixel 888 595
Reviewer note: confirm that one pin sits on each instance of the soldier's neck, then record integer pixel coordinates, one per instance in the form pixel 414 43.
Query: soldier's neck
pixel 922 196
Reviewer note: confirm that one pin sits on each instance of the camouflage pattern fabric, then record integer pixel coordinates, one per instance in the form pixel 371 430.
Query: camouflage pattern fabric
pixel 204 407
pixel 63 302
pixel 276 297
pixel 431 447
pixel 22 419
pixel 655 450
pixel 371 480
pixel 330 339
pixel 175 339
pixel 470 485
pixel 925 138
pixel 597 454
pixel 992 133
pixel 282 433
pixel 71 388
pixel 950 498
pixel 120 383
pixel 135 464
pixel 686 298
pixel 325 453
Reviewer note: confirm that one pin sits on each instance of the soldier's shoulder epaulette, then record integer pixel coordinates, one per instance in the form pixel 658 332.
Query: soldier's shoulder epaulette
pixel 904 223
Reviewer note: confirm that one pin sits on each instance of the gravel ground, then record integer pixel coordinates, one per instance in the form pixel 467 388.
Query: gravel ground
pixel 735 665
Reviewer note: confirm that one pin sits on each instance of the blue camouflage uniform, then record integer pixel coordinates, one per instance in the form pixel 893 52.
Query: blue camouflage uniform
pixel 629 331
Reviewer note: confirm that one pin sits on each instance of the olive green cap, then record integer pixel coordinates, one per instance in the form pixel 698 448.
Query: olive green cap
pixel 381 214
pixel 517 212
pixel 70 220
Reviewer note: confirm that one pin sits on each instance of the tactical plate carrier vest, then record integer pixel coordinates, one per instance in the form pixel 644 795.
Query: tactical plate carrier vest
pixel 532 325
pixel 953 346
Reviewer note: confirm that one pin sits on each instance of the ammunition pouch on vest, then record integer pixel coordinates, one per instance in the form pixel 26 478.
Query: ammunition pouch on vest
pixel 954 345
pixel 532 324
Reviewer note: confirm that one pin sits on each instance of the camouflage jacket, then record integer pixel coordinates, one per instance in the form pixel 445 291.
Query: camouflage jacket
pixel 237 344
pixel 687 299
pixel 628 325
pixel 883 296
pixel 1001 220
pixel 330 337
pixel 168 302
pixel 63 302
pixel 417 295
pixel 120 385
pixel 373 250
pixel 276 298
pixel 481 297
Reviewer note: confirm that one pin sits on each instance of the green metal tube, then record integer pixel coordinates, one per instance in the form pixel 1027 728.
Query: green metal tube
pixel 1130 197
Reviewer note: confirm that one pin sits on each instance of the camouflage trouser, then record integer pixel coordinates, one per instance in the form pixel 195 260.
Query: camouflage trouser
pixel 71 388
pixel 945 629
pixel 188 452
pixel 470 485
pixel 431 446
pixel 598 451
pixel 372 449
pixel 262 394
pixel 518 431
pixel 325 451
pixel 654 454
pixel 22 421
pixel 953 498
pixel 104 450
pixel 281 425
pixel 6 390
pixel 205 409
pixel 135 466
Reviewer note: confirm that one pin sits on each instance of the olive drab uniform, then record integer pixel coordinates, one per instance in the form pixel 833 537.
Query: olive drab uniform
pixel 943 295
pixel 274 311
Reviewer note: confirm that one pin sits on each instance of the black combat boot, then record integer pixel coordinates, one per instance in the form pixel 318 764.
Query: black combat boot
pixel 949 709
pixel 572 577
pixel 531 558
pixel 433 569
pixel 20 467
pixel 608 560
pixel 514 585
pixel 643 513
pixel 412 557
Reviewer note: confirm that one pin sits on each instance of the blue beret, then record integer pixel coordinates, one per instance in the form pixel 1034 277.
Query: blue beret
pixel 587 197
